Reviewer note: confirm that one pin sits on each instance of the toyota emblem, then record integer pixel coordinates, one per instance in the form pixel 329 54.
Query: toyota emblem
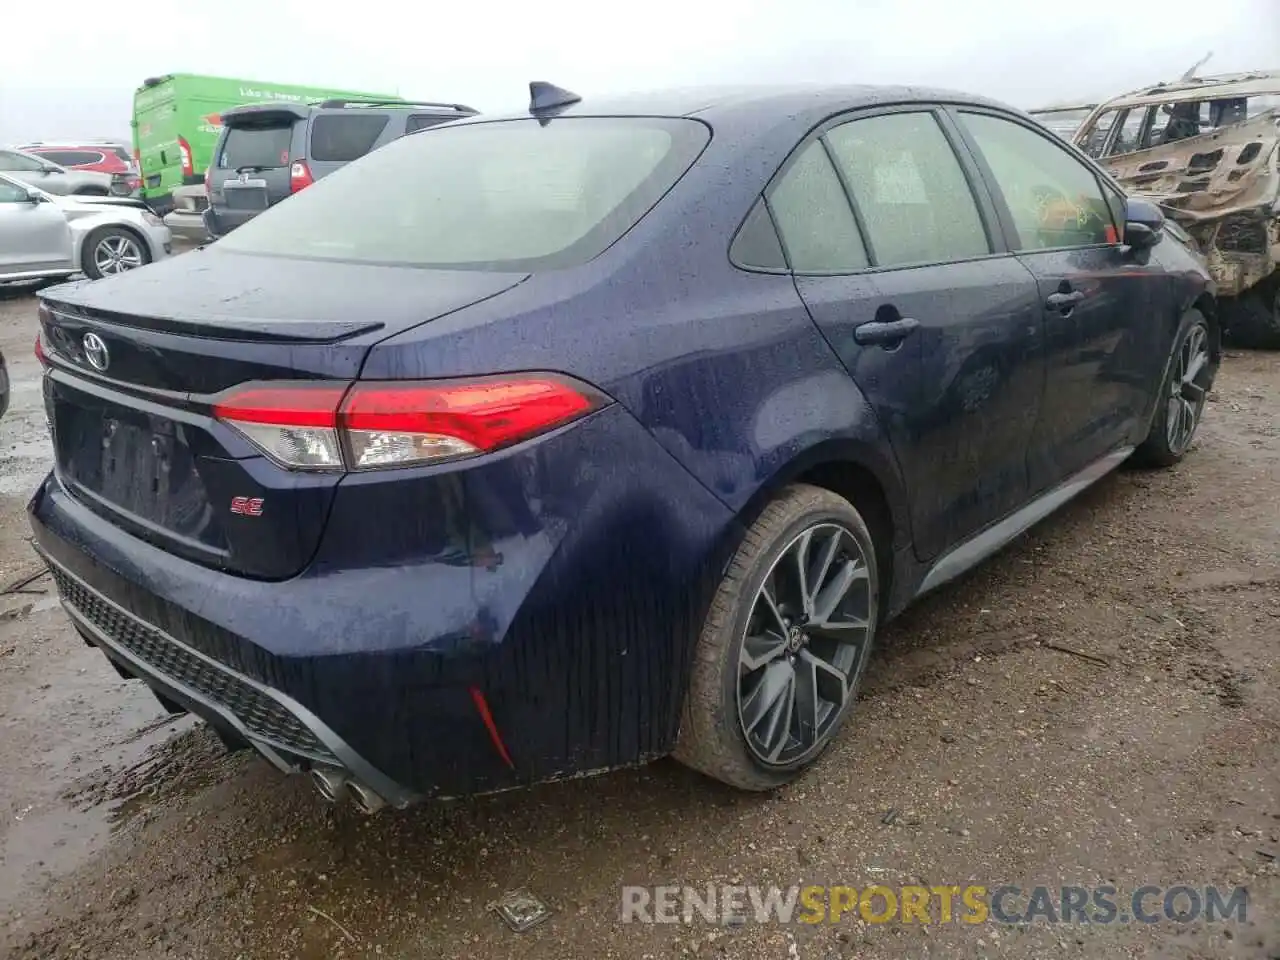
pixel 95 351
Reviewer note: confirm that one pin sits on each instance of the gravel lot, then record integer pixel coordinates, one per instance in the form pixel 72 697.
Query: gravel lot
pixel 1153 759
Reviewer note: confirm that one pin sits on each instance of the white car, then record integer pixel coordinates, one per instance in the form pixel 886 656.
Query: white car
pixel 43 237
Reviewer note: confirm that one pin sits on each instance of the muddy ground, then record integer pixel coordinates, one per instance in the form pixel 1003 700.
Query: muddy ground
pixel 1152 759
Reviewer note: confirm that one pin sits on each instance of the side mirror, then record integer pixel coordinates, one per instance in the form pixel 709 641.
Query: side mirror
pixel 1143 224
pixel 33 197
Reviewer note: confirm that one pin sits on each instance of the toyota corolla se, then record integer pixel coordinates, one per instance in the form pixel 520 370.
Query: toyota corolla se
pixel 538 445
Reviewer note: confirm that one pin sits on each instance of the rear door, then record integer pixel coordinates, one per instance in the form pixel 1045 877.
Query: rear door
pixel 338 136
pixel 941 327
pixel 1105 314
pixel 250 166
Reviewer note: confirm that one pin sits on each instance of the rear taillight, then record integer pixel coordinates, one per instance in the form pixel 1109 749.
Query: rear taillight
pixel 299 176
pixel 188 166
pixel 39 350
pixel 379 424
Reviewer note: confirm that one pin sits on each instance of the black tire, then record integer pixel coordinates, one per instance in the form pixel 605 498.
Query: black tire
pixel 1253 319
pixel 712 736
pixel 88 259
pixel 1165 445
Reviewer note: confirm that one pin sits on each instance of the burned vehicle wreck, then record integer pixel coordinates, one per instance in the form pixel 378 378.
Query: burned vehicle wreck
pixel 1205 149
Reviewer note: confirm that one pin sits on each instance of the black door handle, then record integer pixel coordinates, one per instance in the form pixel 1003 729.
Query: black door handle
pixel 884 333
pixel 1064 302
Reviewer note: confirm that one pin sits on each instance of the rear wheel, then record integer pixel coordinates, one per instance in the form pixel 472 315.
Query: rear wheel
pixel 1182 396
pixel 777 665
pixel 1253 320
pixel 111 250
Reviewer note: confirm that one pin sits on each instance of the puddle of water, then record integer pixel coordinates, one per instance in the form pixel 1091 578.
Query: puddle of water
pixel 77 745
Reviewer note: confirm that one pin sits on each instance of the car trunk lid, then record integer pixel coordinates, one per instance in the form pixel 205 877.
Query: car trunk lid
pixel 137 363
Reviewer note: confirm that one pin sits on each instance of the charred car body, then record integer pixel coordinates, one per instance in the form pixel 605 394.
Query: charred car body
pixel 1205 149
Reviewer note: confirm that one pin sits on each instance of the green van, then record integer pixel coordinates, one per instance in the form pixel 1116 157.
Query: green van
pixel 177 119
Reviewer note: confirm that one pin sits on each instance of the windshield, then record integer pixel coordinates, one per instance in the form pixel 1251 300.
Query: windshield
pixel 500 195
pixel 1129 129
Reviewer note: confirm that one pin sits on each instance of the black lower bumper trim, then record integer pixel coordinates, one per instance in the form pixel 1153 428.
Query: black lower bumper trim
pixel 280 728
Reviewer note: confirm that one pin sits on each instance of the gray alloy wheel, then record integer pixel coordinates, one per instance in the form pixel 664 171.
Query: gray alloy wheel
pixel 777 665
pixel 1183 395
pixel 1186 397
pixel 109 251
pixel 803 644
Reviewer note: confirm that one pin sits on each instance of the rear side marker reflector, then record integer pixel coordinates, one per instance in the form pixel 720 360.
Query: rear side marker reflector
pixel 486 717
pixel 378 424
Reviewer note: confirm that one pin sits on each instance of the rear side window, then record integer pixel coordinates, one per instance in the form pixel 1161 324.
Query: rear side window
pixel 814 217
pixel 73 158
pixel 909 187
pixel 265 147
pixel 502 195
pixel 422 121
pixel 345 137
pixel 756 246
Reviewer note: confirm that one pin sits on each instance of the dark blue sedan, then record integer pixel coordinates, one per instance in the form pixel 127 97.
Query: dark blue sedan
pixel 533 446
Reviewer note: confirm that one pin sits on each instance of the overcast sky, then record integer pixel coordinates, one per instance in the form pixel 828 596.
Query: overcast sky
pixel 76 79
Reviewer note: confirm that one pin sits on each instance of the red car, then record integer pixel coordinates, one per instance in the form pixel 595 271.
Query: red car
pixel 103 156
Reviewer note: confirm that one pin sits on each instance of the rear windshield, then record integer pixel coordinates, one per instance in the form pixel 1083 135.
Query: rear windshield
pixel 500 195
pixel 260 145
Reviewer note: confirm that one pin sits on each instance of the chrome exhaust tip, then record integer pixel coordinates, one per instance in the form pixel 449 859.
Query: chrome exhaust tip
pixel 332 783
pixel 365 800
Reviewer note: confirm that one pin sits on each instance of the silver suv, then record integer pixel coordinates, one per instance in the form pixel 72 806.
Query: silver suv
pixel 51 178
pixel 268 151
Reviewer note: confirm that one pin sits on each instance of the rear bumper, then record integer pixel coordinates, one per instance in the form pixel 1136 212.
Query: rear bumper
pixel 219 221
pixel 187 225
pixel 284 731
pixel 564 591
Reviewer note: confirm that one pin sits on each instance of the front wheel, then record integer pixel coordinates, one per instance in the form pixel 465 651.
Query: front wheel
pixel 776 668
pixel 1182 395
pixel 112 250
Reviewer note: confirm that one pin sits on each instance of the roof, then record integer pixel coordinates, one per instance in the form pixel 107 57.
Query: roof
pixel 1062 108
pixel 1249 84
pixel 757 105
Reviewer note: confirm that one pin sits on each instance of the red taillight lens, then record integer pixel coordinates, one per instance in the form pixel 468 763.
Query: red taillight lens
pixel 293 424
pixel 39 348
pixel 188 166
pixel 377 424
pixel 299 176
